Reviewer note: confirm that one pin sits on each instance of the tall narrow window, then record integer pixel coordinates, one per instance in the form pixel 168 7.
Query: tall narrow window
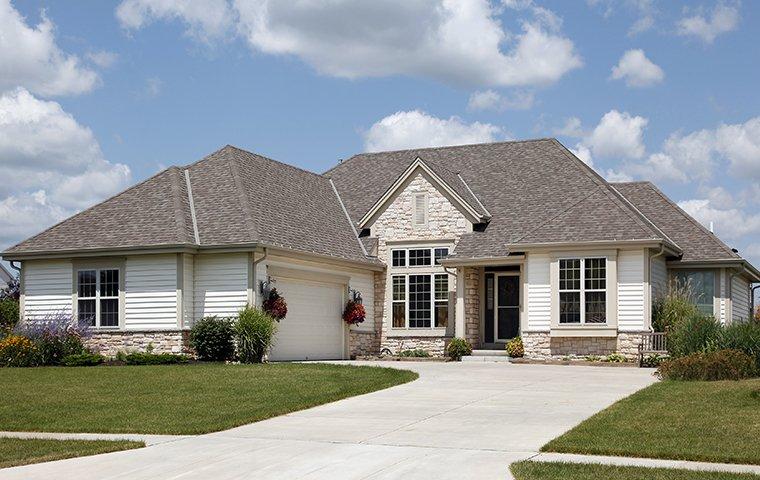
pixel 98 297
pixel 441 300
pixel 399 301
pixel 583 290
pixel 420 210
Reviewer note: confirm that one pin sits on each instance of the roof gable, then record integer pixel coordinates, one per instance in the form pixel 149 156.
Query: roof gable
pixel 476 213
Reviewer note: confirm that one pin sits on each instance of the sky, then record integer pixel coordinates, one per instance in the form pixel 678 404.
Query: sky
pixel 96 96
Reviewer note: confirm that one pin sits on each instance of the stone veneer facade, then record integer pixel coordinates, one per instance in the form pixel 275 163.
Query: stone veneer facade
pixel 162 341
pixel 472 305
pixel 362 343
pixel 539 345
pixel 444 222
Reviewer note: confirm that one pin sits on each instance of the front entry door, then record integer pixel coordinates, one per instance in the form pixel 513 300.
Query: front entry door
pixel 507 317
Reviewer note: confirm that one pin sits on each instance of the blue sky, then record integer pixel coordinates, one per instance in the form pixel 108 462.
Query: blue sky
pixel 95 96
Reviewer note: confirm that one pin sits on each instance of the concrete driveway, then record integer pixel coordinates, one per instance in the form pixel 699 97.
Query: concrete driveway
pixel 459 420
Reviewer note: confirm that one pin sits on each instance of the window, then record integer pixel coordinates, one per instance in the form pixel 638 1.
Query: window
pixel 420 210
pixel 399 258
pixel 399 301
pixel 582 290
pixel 419 257
pixel 701 285
pixel 420 296
pixel 98 297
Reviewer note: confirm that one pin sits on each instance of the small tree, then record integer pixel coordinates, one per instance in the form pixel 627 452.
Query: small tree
pixel 254 332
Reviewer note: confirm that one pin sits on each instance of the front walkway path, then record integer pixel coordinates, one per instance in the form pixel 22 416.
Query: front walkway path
pixel 647 462
pixel 459 420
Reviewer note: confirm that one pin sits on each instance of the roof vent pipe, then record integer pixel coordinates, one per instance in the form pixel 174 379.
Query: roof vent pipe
pixel 711 228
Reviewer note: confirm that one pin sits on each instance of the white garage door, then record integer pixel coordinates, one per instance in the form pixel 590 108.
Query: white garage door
pixel 313 328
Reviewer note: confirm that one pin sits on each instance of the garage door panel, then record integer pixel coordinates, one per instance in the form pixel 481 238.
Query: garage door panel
pixel 313 328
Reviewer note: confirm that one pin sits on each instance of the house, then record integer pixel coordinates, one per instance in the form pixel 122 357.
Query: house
pixel 485 242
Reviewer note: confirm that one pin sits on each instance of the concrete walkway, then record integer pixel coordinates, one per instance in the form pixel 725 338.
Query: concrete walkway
pixel 459 420
pixel 647 462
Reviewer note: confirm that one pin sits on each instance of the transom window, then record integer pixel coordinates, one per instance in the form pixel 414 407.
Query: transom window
pixel 418 257
pixel 98 297
pixel 583 290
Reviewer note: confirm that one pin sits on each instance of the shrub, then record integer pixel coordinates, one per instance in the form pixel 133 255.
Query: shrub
pixel 652 360
pixel 515 348
pixel 696 334
pixel 720 365
pixel 615 358
pixel 54 336
pixel 254 332
pixel 146 358
pixel 674 307
pixel 593 358
pixel 418 353
pixel 85 359
pixel 743 336
pixel 458 348
pixel 18 351
pixel 212 338
pixel 8 314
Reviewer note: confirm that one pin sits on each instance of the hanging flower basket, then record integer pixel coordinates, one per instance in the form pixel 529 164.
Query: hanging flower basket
pixel 275 305
pixel 354 313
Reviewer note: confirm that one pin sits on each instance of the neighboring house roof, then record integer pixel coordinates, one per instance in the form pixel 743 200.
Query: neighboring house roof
pixel 536 192
pixel 697 243
pixel 238 198
pixel 5 276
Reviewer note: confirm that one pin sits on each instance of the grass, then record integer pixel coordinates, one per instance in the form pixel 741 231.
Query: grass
pixel 175 399
pixel 569 471
pixel 23 451
pixel 703 421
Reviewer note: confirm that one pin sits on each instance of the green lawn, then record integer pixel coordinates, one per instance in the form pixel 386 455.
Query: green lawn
pixel 707 421
pixel 569 471
pixel 18 451
pixel 175 399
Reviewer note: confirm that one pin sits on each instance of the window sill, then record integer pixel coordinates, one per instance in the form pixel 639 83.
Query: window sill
pixel 583 331
pixel 417 332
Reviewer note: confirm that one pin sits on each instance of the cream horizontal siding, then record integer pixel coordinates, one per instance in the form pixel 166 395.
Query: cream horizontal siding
pixel 221 284
pixel 47 288
pixel 740 297
pixel 630 266
pixel 658 272
pixel 150 298
pixel 539 293
pixel 188 290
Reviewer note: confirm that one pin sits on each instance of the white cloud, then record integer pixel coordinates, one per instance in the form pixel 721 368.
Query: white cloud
pixel 729 223
pixel 29 57
pixel 451 41
pixel 153 87
pixel 51 166
pixel 206 20
pixel 103 59
pixel 641 25
pixel 658 167
pixel 637 70
pixel 618 135
pixel 491 100
pixel 417 129
pixel 581 151
pixel 571 128
pixel 723 18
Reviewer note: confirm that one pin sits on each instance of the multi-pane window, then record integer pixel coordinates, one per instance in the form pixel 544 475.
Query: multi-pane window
pixel 399 258
pixel 420 257
pixel 582 290
pixel 399 301
pixel 420 296
pixel 440 253
pixel 700 285
pixel 98 297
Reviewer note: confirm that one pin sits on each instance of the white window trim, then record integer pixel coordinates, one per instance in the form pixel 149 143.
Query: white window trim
pixel 407 264
pixel 119 296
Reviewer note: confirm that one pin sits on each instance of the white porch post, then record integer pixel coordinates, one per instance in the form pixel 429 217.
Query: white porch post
pixel 459 311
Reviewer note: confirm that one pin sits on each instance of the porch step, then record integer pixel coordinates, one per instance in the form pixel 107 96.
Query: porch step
pixel 486 358
pixel 489 353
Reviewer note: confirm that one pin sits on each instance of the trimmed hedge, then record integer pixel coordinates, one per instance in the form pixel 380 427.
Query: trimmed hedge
pixel 212 338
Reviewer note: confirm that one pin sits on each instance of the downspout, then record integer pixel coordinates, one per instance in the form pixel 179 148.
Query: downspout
pixel 18 269
pixel 256 262
pixel 753 299
pixel 649 281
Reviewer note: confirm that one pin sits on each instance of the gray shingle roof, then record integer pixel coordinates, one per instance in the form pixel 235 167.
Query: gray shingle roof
pixel 536 191
pixel 696 242
pixel 239 198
